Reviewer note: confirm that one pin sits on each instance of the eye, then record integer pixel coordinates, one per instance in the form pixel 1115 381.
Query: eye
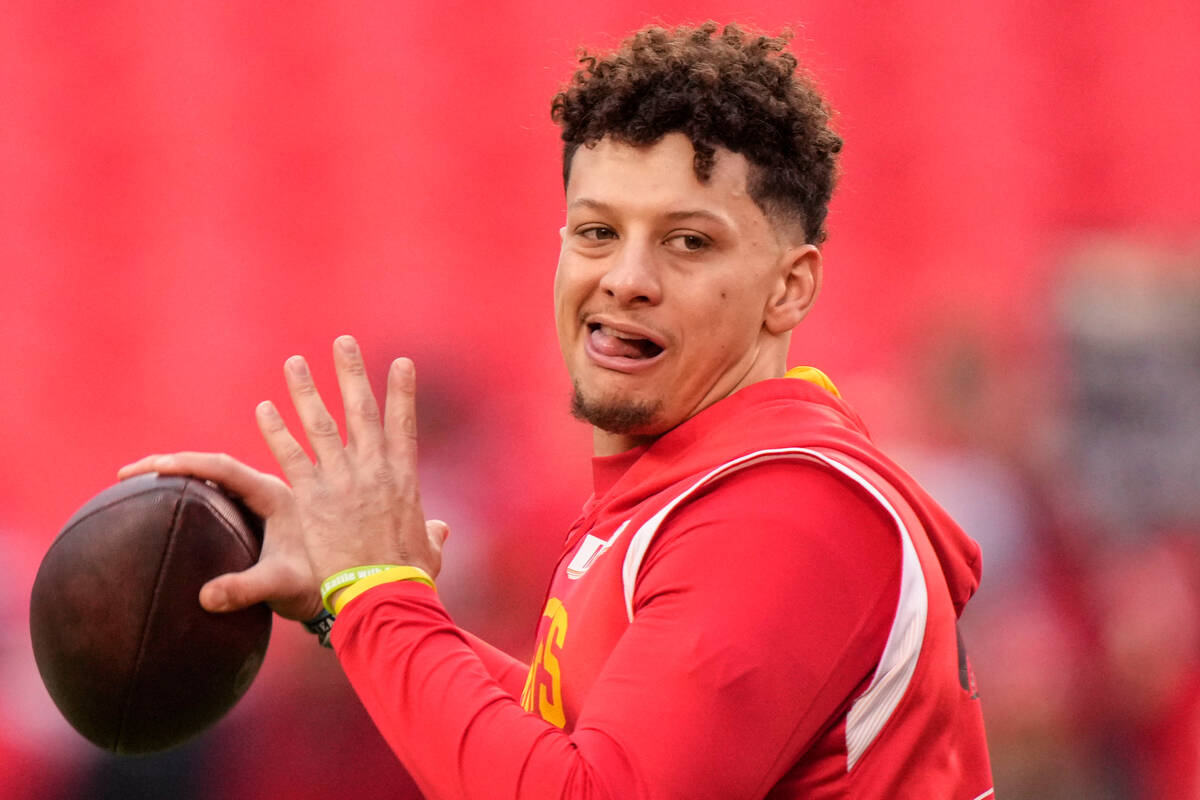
pixel 688 242
pixel 598 233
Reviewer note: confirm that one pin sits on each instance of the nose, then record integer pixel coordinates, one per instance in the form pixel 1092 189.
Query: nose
pixel 631 277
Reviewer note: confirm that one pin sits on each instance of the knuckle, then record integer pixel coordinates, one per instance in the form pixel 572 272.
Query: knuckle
pixel 319 491
pixel 368 410
pixel 405 425
pixel 323 426
pixel 382 475
pixel 293 453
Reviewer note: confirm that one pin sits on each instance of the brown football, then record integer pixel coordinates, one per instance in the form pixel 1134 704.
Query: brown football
pixel 127 653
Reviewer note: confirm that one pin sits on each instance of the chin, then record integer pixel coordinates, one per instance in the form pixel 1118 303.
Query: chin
pixel 624 416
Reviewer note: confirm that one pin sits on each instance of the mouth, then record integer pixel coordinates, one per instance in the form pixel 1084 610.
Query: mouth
pixel 621 347
pixel 616 343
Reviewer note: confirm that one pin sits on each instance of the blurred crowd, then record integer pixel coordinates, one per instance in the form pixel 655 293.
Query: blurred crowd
pixel 1074 463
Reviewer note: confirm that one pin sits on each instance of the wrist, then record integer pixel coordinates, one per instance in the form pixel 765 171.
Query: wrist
pixel 393 575
pixel 320 626
pixel 342 579
pixel 340 588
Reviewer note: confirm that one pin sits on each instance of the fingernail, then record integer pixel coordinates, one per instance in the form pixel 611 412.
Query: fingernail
pixel 164 462
pixel 403 366
pixel 298 366
pixel 267 409
pixel 347 345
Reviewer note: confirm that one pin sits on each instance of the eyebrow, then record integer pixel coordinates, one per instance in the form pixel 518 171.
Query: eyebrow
pixel 673 216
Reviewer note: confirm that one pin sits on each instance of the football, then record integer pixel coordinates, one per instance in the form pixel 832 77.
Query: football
pixel 125 650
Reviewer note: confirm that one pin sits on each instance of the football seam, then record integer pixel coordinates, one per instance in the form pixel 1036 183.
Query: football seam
pixel 231 526
pixel 73 521
pixel 137 662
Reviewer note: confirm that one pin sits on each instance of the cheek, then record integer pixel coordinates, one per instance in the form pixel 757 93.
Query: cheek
pixel 730 322
pixel 566 298
pixel 731 305
pixel 562 284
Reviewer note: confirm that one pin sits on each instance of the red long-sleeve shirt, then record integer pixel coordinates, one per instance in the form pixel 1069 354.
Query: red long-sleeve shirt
pixel 739 649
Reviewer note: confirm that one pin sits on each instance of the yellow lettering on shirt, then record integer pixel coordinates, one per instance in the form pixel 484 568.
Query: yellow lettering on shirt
pixel 543 686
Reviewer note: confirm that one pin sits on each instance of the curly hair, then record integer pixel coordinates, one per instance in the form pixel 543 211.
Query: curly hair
pixel 738 91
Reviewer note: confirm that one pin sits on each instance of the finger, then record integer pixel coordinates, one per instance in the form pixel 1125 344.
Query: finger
pixel 363 430
pixel 319 425
pixel 287 451
pixel 259 491
pixel 142 465
pixel 400 422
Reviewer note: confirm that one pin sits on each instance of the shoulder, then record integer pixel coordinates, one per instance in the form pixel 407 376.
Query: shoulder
pixel 774 522
pixel 785 501
pixel 789 560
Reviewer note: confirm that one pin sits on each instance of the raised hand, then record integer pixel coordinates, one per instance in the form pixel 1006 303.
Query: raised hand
pixel 358 504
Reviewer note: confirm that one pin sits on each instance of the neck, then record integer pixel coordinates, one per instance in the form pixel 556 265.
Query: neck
pixel 606 443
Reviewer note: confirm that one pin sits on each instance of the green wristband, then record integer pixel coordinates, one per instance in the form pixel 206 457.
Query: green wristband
pixel 340 580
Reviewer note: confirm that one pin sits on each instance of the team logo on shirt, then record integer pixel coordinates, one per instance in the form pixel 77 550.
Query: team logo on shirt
pixel 543 686
pixel 590 549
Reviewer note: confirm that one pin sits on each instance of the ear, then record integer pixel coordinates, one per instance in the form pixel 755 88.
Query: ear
pixel 796 289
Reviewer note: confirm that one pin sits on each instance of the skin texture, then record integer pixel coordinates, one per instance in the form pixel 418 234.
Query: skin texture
pixel 649 251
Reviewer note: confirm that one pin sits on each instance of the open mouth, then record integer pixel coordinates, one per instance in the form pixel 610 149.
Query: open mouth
pixel 620 344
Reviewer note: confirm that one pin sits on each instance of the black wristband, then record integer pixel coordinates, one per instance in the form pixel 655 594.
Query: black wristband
pixel 320 626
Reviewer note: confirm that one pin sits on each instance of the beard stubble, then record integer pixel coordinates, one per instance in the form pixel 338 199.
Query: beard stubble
pixel 613 416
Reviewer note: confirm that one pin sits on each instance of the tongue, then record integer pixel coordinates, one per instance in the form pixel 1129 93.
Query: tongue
pixel 621 348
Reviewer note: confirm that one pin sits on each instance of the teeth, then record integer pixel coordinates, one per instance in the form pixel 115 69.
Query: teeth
pixel 607 331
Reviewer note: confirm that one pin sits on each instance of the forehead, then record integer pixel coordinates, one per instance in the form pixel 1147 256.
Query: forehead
pixel 660 177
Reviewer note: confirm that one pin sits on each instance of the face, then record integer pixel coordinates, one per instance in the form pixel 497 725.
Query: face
pixel 668 290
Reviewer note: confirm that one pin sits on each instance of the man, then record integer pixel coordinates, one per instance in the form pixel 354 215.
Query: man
pixel 755 602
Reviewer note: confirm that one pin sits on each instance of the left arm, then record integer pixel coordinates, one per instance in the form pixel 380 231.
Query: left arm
pixel 736 660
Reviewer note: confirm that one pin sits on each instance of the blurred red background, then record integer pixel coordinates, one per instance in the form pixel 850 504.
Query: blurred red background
pixel 194 192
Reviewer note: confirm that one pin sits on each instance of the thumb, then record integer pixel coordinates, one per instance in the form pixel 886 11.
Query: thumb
pixel 437 531
pixel 236 590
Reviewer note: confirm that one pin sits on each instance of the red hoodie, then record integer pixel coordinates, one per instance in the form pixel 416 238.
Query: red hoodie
pixel 759 604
